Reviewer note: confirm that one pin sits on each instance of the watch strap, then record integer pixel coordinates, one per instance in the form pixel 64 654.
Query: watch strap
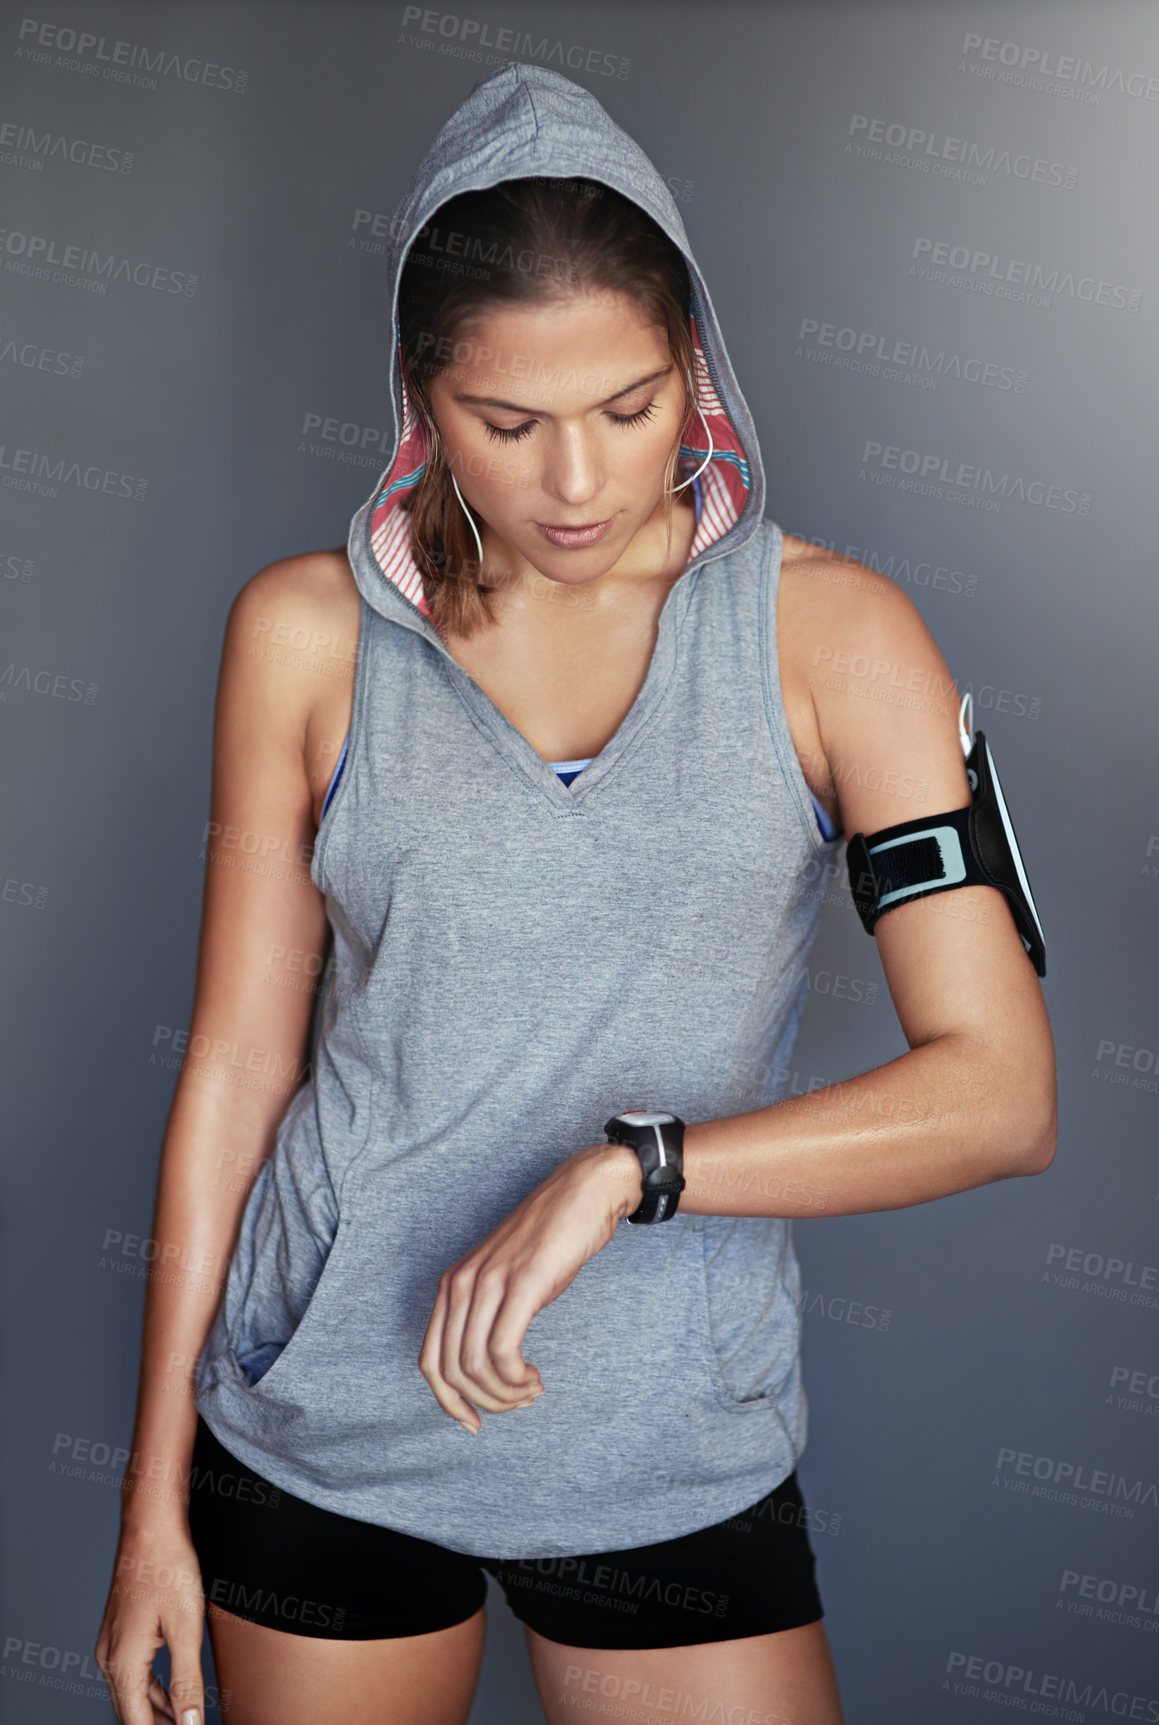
pixel 657 1137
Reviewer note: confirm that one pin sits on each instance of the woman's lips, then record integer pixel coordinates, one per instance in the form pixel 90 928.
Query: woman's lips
pixel 575 538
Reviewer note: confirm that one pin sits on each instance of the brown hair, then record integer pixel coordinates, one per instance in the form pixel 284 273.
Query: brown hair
pixel 530 241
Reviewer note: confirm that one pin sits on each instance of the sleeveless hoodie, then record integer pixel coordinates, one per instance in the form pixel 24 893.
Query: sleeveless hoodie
pixel 514 960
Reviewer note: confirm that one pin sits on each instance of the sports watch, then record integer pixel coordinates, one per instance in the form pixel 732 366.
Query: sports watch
pixel 658 1140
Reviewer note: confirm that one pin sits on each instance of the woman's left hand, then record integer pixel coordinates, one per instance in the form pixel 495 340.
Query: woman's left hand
pixel 473 1343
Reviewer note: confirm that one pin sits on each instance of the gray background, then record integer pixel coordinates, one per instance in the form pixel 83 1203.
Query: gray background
pixel 936 1338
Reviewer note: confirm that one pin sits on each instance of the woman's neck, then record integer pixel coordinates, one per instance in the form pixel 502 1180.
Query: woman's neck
pixel 649 559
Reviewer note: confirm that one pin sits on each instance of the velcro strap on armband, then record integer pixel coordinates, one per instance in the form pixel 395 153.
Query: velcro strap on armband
pixel 911 860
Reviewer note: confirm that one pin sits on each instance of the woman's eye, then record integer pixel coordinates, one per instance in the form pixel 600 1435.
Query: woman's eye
pixel 634 418
pixel 497 434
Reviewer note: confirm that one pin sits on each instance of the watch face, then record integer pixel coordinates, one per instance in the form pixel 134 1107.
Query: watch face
pixel 642 1117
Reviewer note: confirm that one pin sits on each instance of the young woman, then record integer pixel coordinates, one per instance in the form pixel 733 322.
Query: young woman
pixel 530 791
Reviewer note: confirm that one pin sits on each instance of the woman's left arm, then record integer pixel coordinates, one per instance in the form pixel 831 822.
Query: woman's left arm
pixel 975 1097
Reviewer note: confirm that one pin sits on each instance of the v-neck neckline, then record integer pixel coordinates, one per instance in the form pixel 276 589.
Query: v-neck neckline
pixel 537 773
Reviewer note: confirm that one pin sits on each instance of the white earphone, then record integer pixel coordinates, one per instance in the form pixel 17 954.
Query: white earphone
pixel 711 446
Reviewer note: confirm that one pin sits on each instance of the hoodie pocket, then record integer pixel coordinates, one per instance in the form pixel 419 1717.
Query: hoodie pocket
pixel 292 1235
pixel 749 1316
pixel 266 1362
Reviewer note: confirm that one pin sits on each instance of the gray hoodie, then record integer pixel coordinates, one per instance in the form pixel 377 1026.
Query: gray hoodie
pixel 515 959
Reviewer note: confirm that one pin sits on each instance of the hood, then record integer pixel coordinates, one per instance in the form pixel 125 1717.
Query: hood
pixel 520 121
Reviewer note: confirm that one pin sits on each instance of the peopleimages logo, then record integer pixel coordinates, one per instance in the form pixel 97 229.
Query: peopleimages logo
pixel 995 1680
pixel 83 266
pixel 1058 74
pixel 1130 1059
pixel 123 62
pixel 43 1665
pixel 1013 278
pixel 905 571
pixel 900 360
pixel 1129 1603
pixel 32 356
pixel 1142 1387
pixel 1107 1276
pixel 25 147
pixel 958 158
pixel 33 470
pixel 58 684
pixel 936 475
pixel 468 39
pixel 1075 1477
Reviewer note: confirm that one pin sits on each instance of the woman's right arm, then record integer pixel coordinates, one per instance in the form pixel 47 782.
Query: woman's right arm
pixel 247 1053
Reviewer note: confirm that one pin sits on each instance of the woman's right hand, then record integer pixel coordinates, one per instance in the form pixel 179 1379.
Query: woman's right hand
pixel 156 1599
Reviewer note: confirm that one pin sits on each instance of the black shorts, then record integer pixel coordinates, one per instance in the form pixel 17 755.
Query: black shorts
pixel 273 1559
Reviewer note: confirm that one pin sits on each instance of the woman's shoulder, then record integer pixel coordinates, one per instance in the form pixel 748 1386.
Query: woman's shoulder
pixel 299 614
pixel 290 650
pixel 857 658
pixel 826 596
pixel 313 591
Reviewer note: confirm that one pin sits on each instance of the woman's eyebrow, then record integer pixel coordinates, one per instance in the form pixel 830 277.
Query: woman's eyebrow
pixel 514 407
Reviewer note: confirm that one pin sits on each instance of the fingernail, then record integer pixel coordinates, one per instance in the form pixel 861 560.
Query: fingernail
pixel 191 1717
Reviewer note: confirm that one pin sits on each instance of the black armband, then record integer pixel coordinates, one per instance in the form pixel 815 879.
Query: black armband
pixel 975 846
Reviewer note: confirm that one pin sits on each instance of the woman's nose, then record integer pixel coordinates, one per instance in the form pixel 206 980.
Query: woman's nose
pixel 573 469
